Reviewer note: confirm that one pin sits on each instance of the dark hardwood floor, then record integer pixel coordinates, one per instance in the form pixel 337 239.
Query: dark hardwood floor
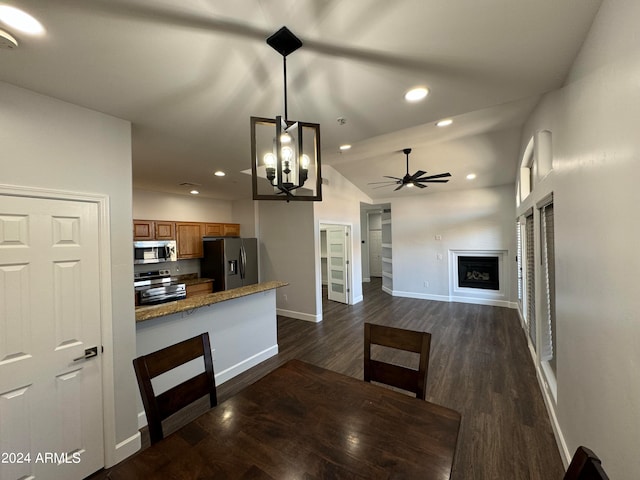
pixel 479 365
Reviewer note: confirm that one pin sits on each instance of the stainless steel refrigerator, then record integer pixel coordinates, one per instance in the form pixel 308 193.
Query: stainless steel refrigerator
pixel 230 262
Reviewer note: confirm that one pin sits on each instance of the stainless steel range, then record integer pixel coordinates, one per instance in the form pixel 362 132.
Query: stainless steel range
pixel 157 287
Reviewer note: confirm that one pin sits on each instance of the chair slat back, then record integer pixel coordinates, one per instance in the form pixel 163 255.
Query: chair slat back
pixel 159 407
pixel 395 375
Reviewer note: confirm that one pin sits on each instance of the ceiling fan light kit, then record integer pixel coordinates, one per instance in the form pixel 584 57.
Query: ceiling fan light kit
pixel 285 153
pixel 416 180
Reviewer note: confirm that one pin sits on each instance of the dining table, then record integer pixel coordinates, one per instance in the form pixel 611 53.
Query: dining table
pixel 302 421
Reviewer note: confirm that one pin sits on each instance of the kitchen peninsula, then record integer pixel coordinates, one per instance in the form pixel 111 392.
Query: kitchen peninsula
pixel 241 323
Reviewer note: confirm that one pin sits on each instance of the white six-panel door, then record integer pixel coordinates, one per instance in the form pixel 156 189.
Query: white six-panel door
pixel 51 423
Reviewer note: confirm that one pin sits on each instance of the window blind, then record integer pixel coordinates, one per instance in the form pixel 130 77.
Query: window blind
pixel 548 332
pixel 530 285
pixel 519 260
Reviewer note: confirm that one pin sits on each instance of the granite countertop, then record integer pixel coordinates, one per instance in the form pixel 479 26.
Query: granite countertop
pixel 153 311
pixel 190 279
pixel 194 281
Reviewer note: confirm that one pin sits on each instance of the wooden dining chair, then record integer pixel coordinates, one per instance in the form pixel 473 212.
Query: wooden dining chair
pixel 160 407
pixel 585 465
pixel 397 376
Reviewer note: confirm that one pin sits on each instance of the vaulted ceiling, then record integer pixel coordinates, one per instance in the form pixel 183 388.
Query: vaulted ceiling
pixel 188 74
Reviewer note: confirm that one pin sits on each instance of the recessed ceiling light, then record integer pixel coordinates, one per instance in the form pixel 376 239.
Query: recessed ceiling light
pixel 194 192
pixel 219 173
pixel 345 147
pixel 471 176
pixel 416 94
pixel 20 20
pixel 444 123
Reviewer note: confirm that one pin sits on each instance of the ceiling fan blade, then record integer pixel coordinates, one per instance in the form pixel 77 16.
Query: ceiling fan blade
pixel 398 188
pixel 419 173
pixel 419 185
pixel 430 181
pixel 380 186
pixel 395 178
pixel 440 175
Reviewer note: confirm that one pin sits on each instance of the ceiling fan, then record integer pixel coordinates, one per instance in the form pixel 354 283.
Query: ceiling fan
pixel 416 179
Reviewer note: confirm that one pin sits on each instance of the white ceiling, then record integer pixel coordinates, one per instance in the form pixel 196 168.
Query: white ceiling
pixel 188 74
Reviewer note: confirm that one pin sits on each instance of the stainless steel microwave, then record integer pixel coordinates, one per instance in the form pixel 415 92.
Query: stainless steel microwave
pixel 154 251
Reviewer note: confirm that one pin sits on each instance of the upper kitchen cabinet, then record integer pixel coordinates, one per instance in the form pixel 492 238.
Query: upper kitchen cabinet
pixel 222 229
pixel 154 230
pixel 165 230
pixel 143 230
pixel 213 229
pixel 231 230
pixel 189 239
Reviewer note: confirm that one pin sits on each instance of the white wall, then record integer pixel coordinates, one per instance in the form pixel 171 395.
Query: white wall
pixel 244 212
pixel 341 205
pixel 478 219
pixel 242 332
pixel 52 144
pixel 286 249
pixel 290 244
pixel 149 205
pixel 596 149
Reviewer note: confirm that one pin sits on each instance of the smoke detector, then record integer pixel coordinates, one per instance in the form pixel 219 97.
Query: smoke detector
pixel 7 42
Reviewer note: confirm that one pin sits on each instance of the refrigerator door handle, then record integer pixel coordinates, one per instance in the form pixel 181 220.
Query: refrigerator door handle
pixel 243 262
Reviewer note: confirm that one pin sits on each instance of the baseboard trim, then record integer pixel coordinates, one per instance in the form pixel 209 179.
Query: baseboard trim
pixel 549 404
pixel 307 317
pixel 484 301
pixel 422 296
pixel 126 448
pixel 447 298
pixel 246 364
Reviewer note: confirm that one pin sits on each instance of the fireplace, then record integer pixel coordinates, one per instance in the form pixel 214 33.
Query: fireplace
pixel 478 272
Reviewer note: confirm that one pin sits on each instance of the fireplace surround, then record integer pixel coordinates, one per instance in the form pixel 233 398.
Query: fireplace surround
pixel 489 282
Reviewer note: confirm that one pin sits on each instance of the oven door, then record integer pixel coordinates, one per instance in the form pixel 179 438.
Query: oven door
pixel 165 293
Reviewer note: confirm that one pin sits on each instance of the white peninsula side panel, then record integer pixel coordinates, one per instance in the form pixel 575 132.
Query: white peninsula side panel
pixel 242 331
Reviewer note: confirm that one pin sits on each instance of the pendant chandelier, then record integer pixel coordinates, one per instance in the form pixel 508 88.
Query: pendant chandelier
pixel 285 153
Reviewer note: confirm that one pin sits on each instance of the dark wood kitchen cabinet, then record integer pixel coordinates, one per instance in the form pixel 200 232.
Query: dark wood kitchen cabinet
pixel 189 239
